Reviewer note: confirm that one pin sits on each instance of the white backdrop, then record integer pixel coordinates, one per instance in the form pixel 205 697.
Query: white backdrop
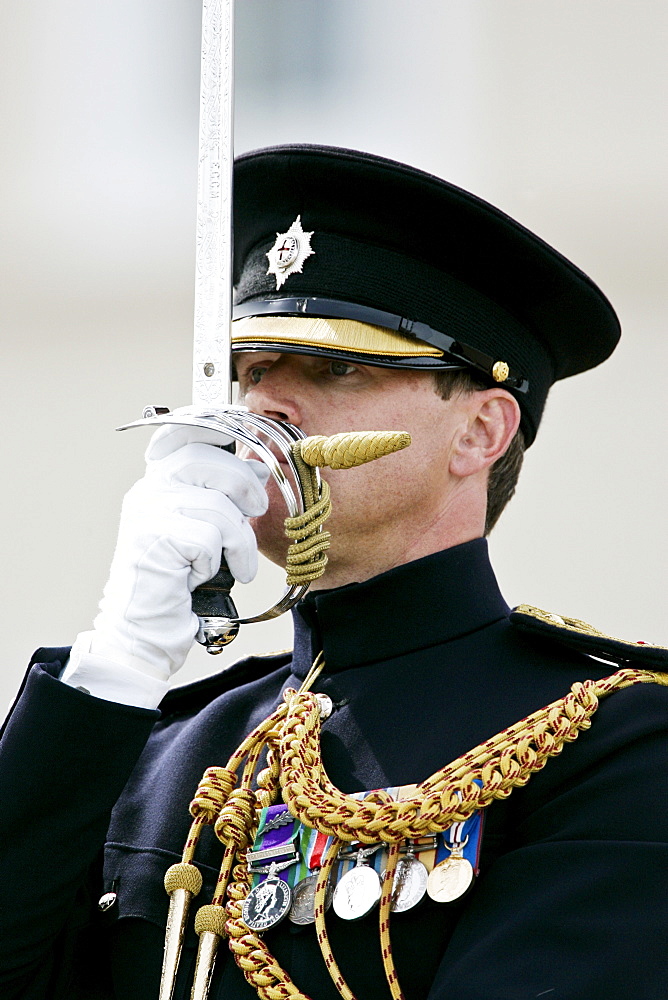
pixel 552 109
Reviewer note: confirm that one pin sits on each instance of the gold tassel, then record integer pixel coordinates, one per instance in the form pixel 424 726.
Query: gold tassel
pixel 351 448
pixel 182 882
pixel 210 925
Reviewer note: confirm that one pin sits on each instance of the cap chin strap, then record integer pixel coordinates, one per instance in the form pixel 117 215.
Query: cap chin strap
pixel 461 355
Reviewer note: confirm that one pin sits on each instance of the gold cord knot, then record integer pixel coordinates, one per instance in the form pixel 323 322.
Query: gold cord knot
pixel 307 558
pixel 237 819
pixel 212 794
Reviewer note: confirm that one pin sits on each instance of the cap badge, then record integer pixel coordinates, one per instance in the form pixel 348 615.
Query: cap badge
pixel 289 252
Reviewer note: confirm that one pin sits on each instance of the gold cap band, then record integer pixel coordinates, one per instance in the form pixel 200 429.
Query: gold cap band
pixel 347 335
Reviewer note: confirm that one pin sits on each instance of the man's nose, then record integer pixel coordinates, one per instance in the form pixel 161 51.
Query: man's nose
pixel 276 396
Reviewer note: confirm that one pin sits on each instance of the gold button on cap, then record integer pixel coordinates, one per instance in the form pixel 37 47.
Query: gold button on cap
pixel 500 371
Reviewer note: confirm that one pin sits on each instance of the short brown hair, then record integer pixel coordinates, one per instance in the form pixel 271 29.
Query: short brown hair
pixel 504 473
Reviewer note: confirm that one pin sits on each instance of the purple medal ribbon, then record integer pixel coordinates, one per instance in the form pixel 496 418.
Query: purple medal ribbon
pixel 278 836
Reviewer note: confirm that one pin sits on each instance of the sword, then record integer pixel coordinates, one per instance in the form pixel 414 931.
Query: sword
pixel 212 383
pixel 214 256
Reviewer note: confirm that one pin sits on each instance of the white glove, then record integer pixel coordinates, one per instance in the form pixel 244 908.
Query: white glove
pixel 193 502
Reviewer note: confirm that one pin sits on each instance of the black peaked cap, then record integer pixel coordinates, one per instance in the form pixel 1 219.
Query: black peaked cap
pixel 397 241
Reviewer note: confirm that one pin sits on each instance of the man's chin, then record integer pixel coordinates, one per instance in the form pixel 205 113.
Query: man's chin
pixel 270 535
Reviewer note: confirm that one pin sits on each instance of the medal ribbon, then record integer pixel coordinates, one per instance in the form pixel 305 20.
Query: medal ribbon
pixel 470 831
pixel 274 838
pixel 320 844
pixel 313 845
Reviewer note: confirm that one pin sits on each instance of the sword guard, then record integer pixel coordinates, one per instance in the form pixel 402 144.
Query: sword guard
pixel 212 602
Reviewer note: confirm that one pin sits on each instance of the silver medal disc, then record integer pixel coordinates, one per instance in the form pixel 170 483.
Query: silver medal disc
pixel 302 910
pixel 409 885
pixel 450 879
pixel 357 893
pixel 267 904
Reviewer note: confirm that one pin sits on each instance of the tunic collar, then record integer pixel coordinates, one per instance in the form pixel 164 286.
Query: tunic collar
pixel 420 604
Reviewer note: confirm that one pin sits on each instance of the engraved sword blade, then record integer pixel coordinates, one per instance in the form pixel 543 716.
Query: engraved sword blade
pixel 214 237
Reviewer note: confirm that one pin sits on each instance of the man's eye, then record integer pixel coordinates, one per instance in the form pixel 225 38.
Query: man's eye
pixel 340 368
pixel 255 375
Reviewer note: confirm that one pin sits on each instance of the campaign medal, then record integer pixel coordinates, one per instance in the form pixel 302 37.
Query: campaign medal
pixel 358 891
pixel 450 879
pixel 410 879
pixel 302 911
pixel 269 901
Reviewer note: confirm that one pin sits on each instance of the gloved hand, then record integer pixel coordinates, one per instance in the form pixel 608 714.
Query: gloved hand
pixel 193 503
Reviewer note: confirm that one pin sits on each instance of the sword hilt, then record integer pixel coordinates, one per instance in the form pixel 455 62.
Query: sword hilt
pixel 215 608
pixel 219 621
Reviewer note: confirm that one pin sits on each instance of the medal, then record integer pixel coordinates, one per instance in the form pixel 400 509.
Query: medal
pixel 359 889
pixel 302 911
pixel 450 879
pixel 274 851
pixel 268 903
pixel 410 881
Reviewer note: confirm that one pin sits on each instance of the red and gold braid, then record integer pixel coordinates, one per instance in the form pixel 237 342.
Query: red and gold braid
pixel 452 794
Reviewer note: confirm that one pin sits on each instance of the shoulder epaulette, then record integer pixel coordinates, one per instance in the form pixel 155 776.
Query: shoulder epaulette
pixel 579 635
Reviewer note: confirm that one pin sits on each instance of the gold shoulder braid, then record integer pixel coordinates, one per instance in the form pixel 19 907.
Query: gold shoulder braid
pixel 576 634
pixel 291 738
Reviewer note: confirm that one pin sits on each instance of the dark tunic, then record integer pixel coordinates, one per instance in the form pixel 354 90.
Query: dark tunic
pixel 422 664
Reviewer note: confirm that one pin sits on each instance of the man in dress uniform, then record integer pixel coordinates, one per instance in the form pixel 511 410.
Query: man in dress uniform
pixel 369 296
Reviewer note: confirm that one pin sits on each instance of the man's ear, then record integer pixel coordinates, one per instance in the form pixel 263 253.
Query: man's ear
pixel 493 416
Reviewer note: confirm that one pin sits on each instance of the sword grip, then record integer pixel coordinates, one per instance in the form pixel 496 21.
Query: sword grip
pixel 212 603
pixel 213 599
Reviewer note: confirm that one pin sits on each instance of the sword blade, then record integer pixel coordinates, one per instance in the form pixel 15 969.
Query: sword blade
pixel 212 383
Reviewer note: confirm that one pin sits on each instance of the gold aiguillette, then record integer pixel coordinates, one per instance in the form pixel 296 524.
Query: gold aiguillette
pixel 182 882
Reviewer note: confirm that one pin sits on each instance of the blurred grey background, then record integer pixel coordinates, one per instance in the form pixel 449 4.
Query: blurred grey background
pixel 554 110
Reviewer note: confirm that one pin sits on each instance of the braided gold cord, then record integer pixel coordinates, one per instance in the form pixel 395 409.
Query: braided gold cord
pixel 291 736
pixel 450 795
pixel 307 559
pixel 384 921
pixel 321 927
pixel 352 448
pixel 237 822
pixel 258 965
